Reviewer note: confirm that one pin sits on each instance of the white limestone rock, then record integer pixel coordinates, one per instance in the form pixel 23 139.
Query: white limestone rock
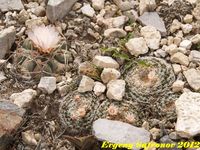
pixel 186 44
pixel 137 46
pixel 151 36
pixel 116 89
pixel 24 98
pixel 105 62
pixel 88 10
pixel 188 116
pixel 180 58
pixel 99 88
pixel 86 84
pixel 109 74
pixel 47 84
pixel 178 86
pixel 98 4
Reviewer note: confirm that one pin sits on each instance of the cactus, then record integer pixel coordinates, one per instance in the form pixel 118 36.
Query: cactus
pixel 29 61
pixel 149 82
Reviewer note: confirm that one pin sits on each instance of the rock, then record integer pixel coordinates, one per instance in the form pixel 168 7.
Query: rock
pixel 195 39
pixel 23 16
pixel 131 14
pixel 151 36
pixel 137 46
pixel 194 56
pixel 177 41
pixel 176 25
pixel 29 138
pixel 188 18
pixel 188 116
pixel 186 28
pixel 88 10
pixel 147 5
pixel 115 32
pixel 178 86
pixel 35 22
pixel 116 89
pixel 156 133
pixel 2 76
pixel 56 10
pixel 125 4
pixel 174 136
pixel 47 84
pixel 24 98
pixel 109 74
pixel 186 44
pixel 176 68
pixel 196 12
pixel 106 130
pixel 160 53
pixel 172 49
pixel 99 88
pixel 153 19
pixel 7 38
pixel 7 5
pixel 193 78
pixel 39 11
pixel 192 1
pixel 105 62
pixel 98 4
pixel 180 58
pixel 166 139
pixel 10 119
pixel 86 84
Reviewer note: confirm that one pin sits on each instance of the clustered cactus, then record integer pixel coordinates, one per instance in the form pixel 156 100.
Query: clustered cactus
pixel 149 83
pixel 42 53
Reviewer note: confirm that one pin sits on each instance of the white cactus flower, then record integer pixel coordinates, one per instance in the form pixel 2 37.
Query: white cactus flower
pixel 45 38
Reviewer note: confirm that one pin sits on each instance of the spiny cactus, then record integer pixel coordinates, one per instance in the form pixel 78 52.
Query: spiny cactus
pixel 37 56
pixel 149 84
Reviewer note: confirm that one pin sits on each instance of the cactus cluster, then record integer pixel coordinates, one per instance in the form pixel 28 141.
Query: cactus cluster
pixel 149 83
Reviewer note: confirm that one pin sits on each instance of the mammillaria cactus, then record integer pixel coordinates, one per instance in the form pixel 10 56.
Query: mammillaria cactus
pixel 42 53
pixel 149 84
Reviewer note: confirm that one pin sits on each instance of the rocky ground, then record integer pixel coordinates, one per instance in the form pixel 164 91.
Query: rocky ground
pixel 131 61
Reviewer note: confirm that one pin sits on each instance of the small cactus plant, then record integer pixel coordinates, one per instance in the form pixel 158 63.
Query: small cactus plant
pixel 42 53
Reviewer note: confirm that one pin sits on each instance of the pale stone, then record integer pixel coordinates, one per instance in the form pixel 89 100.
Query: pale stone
pixel 118 22
pixel 188 116
pixel 125 4
pixel 57 9
pixel 195 39
pixel 7 38
pixel 186 28
pixel 193 78
pixel 105 62
pixel 186 44
pixel 88 10
pixel 115 32
pixel 137 46
pixel 24 98
pixel 177 68
pixel 188 18
pixel 176 25
pixel 47 84
pixel 86 84
pixel 153 19
pixel 99 88
pixel 171 49
pixel 131 14
pixel 2 76
pixel 98 4
pixel 116 89
pixel 109 74
pixel 180 58
pixel 106 130
pixel 194 56
pixel 147 5
pixel 29 137
pixel 151 36
pixel 177 41
pixel 155 132
pixel 7 5
pixel 178 86
pixel 163 42
pixel 196 12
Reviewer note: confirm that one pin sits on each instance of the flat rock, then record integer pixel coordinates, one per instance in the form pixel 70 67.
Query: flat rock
pixel 7 5
pixel 151 36
pixel 153 19
pixel 188 115
pixel 47 84
pixel 57 9
pixel 10 119
pixel 193 78
pixel 106 130
pixel 116 89
pixel 7 38
pixel 105 62
pixel 24 98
